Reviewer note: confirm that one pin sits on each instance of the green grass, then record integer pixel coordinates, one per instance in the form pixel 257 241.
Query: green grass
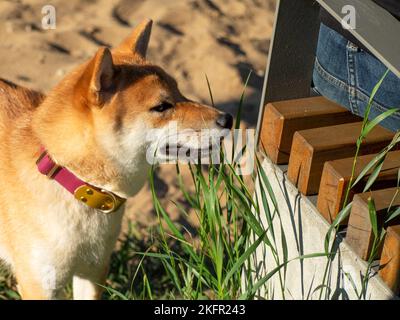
pixel 8 290
pixel 133 277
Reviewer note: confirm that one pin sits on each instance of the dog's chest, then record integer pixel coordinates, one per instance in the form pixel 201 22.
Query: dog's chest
pixel 80 235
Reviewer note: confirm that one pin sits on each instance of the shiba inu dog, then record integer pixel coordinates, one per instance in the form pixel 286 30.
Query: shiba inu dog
pixel 70 159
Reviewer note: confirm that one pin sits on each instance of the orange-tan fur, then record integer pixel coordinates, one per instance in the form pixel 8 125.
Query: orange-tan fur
pixel 94 123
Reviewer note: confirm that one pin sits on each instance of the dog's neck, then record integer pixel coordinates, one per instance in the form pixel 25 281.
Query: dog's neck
pixel 91 162
pixel 105 172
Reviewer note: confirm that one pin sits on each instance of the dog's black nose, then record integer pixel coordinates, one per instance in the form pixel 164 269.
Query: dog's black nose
pixel 225 120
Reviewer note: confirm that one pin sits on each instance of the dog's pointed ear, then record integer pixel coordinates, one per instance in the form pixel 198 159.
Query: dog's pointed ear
pixel 138 41
pixel 97 78
pixel 103 70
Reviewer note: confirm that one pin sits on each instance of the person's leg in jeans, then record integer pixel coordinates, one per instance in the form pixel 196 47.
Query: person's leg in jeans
pixel 347 75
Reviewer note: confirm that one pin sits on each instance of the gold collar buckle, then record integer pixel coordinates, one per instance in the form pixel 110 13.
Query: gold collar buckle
pixel 99 199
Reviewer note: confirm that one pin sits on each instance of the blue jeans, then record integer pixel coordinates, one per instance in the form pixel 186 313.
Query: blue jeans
pixel 347 75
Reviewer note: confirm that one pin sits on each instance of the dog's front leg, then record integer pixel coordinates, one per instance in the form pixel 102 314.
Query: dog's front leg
pixel 42 283
pixel 87 285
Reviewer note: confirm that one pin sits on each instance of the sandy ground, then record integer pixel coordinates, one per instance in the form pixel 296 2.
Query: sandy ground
pixel 223 39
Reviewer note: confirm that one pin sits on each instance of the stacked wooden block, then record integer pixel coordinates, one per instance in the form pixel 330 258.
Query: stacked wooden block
pixel 317 138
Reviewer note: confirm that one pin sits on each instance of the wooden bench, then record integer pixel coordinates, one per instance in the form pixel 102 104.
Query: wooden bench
pixel 312 148
pixel 336 176
pixel 282 119
pixel 289 75
pixel 359 232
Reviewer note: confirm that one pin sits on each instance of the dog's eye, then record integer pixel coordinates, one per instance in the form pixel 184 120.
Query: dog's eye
pixel 162 107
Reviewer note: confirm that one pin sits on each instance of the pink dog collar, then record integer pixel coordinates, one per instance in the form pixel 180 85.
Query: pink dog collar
pixel 94 197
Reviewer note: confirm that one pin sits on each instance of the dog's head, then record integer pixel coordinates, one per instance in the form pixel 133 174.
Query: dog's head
pixel 116 106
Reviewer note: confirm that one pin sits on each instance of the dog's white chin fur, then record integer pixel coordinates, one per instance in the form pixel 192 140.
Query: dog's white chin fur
pixel 185 145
